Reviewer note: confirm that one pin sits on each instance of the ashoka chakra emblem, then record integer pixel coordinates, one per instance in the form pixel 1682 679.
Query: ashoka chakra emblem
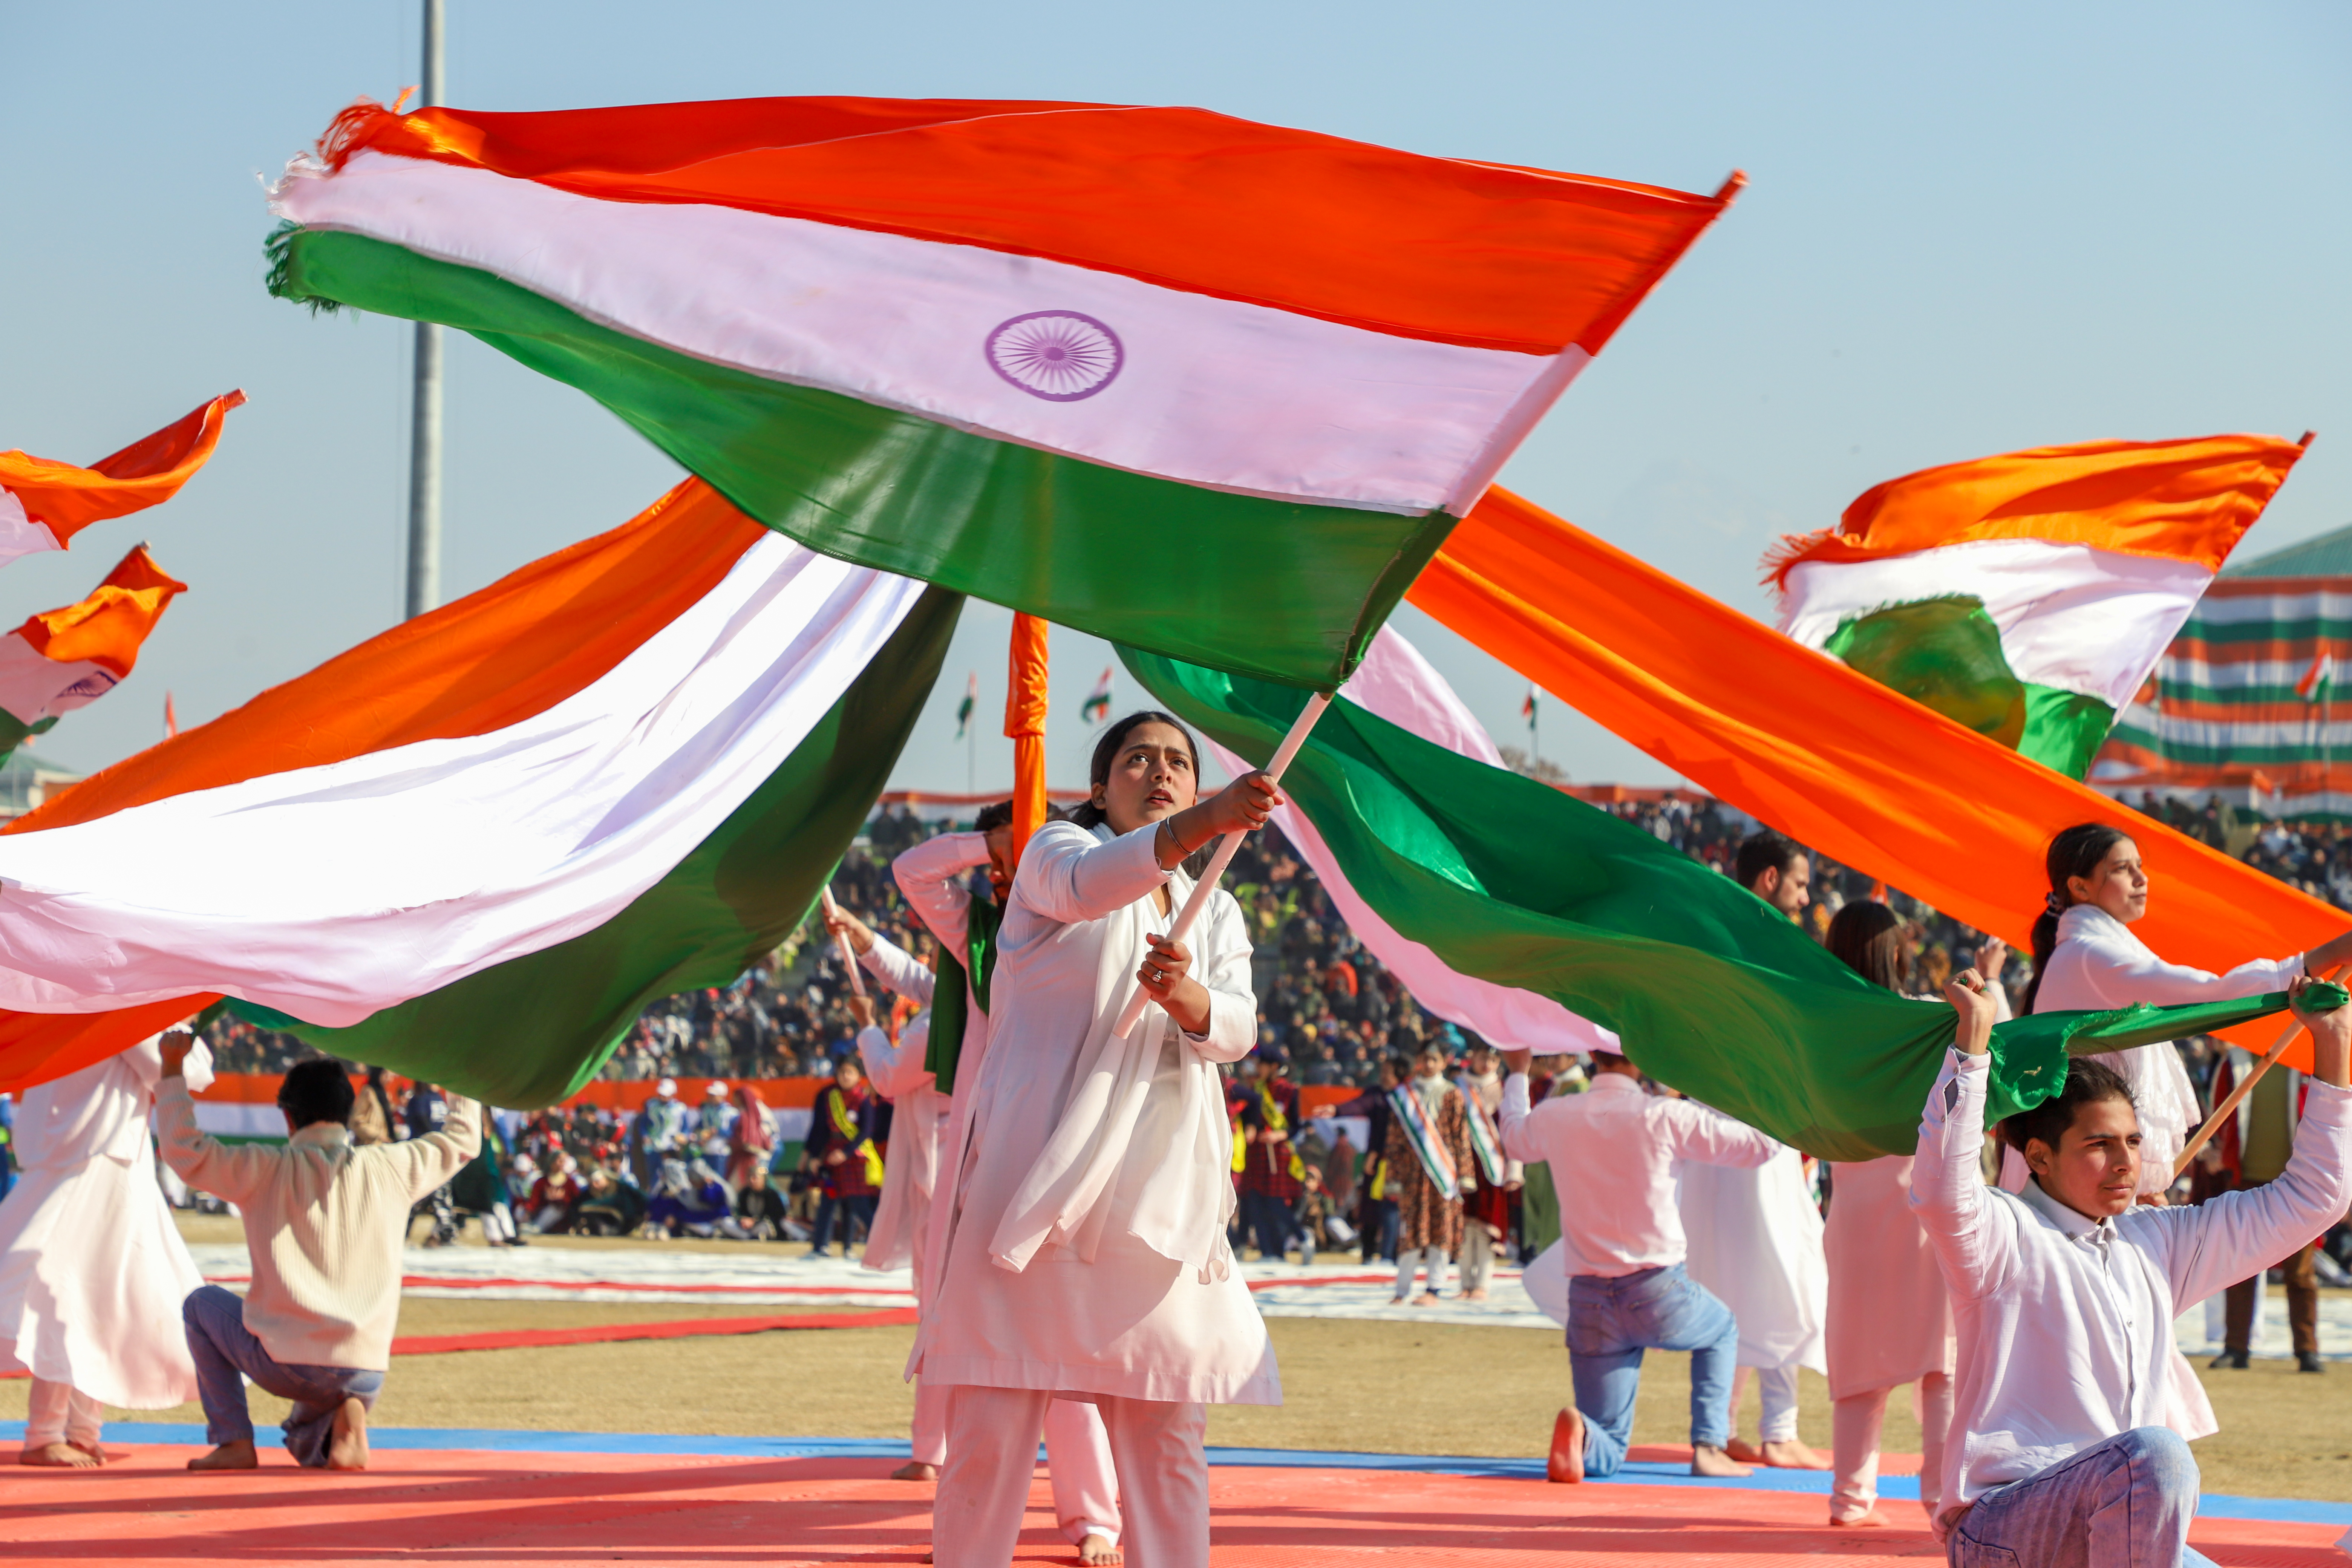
pixel 1058 355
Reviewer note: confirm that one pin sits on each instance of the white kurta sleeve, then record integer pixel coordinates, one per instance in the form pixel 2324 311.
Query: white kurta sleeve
pixel 2233 1235
pixel 931 874
pixel 1948 1191
pixel 1222 964
pixel 2128 972
pixel 895 1070
pixel 898 970
pixel 1512 1121
pixel 1067 875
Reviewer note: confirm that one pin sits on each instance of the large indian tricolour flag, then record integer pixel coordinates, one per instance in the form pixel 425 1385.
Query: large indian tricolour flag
pixel 1047 353
pixel 2028 595
pixel 472 848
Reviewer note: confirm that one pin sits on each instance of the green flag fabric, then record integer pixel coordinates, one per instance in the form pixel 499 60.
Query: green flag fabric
pixel 1711 990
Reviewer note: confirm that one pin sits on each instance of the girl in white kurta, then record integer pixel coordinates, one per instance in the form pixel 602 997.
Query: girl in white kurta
pixel 1085 1244
pixel 1755 1239
pixel 2087 957
pixel 1890 1319
pixel 92 1270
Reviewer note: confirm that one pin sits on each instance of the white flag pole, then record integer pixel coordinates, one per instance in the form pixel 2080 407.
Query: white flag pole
pixel 849 957
pixel 1190 915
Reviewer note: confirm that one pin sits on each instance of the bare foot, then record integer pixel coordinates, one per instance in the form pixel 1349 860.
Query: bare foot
pixel 1874 1520
pixel 1789 1455
pixel 1096 1552
pixel 61 1456
pixel 1744 1451
pixel 1426 1298
pixel 1478 1295
pixel 1712 1461
pixel 915 1470
pixel 1398 1301
pixel 347 1447
pixel 236 1455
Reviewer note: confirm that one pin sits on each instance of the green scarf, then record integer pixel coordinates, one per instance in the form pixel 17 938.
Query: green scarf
pixel 972 967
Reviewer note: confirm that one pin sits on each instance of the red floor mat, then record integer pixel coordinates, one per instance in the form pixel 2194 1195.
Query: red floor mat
pixel 478 1509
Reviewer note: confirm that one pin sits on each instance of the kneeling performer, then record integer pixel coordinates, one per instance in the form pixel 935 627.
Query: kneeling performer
pixel 2064 1297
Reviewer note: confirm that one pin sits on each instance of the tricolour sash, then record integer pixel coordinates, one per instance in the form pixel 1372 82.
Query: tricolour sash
pixel 1436 1160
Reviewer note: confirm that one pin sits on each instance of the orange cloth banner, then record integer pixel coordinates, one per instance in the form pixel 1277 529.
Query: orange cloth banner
pixel 146 473
pixel 1827 755
pixel 1024 723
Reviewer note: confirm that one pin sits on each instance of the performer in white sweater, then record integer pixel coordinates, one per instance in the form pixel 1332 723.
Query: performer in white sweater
pixel 2064 1297
pixel 324 1221
pixel 1085 1243
pixel 92 1270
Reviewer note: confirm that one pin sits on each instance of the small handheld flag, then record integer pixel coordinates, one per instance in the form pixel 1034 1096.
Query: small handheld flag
pixel 963 709
pixel 1098 706
pixel 2319 677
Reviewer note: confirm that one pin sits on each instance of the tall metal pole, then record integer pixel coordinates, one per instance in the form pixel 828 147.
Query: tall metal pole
pixel 425 416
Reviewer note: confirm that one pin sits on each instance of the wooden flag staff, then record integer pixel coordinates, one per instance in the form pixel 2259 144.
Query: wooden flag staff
pixel 848 956
pixel 2228 1106
pixel 1190 915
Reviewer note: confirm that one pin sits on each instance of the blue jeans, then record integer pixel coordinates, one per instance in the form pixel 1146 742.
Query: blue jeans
pixel 2123 1504
pixel 853 1209
pixel 1269 1217
pixel 223 1347
pixel 1611 1321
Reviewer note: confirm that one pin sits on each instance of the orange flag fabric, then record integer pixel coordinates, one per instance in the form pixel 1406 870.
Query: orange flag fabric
pixel 51 502
pixel 1828 755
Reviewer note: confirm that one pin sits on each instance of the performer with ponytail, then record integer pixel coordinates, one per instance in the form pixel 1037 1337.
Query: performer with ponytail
pixel 2085 957
pixel 1081 1237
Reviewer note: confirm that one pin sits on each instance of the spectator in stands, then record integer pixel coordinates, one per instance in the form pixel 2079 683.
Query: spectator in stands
pixel 611 1206
pixel 556 1197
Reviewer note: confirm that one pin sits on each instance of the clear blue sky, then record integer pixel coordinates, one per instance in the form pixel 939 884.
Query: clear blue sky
pixel 1969 229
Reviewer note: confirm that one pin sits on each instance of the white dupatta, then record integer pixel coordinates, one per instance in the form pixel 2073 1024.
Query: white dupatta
pixel 1119 1154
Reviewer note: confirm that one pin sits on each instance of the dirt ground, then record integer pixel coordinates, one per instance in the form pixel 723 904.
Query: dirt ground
pixel 1373 1386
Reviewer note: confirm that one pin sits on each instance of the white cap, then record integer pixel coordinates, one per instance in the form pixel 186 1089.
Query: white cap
pixel 715 1090
pixel 667 1088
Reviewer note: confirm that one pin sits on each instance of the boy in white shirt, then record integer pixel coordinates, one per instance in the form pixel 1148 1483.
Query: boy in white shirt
pixel 1615 1151
pixel 2064 1297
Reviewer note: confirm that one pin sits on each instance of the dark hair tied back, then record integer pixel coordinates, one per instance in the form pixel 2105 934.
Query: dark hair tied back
pixel 2075 852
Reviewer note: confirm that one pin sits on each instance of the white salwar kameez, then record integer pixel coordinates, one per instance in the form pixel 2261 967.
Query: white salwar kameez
pixel 2099 964
pixel 1078 1447
pixel 1755 1239
pixel 1085 1240
pixel 92 1270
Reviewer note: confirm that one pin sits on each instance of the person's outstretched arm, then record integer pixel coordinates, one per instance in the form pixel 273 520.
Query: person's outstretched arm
pixel 1948 1192
pixel 885 960
pixel 1707 1137
pixel 2229 1238
pixel 1514 1117
pixel 230 1173
pixel 434 1160
pixel 931 875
